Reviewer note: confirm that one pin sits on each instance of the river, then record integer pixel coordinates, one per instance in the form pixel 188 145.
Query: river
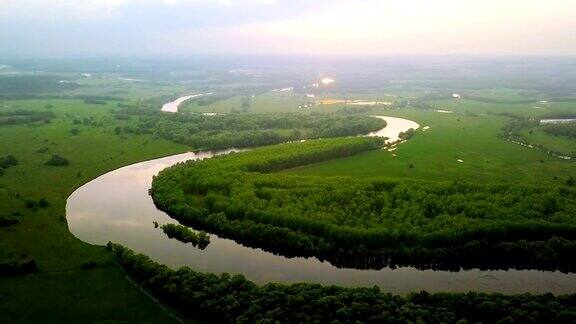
pixel 172 106
pixel 116 207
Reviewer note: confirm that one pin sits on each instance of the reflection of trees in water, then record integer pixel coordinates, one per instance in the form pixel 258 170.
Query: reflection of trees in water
pixel 185 235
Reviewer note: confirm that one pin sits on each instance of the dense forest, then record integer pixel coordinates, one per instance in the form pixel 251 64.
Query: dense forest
pixel 233 298
pixel 369 223
pixel 242 130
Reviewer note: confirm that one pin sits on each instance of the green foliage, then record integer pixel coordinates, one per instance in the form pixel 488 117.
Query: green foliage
pixel 10 268
pixel 7 220
pixel 95 102
pixel 24 117
pixel 89 265
pixel 243 130
pixel 43 202
pixel 25 85
pixel 57 160
pixel 568 130
pixel 8 161
pixel 229 299
pixel 368 218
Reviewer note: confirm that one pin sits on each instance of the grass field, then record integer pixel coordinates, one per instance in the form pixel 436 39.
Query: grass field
pixel 279 102
pixel 61 291
pixel 536 135
pixel 434 152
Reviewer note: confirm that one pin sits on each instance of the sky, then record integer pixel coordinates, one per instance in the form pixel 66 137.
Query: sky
pixel 58 28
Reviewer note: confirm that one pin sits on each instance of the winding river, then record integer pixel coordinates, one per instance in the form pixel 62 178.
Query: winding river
pixel 116 207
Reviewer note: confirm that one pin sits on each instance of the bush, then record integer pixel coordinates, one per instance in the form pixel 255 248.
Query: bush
pixel 17 267
pixel 7 220
pixel 8 161
pixel 57 160
pixel 89 265
pixel 30 203
pixel 570 181
pixel 43 202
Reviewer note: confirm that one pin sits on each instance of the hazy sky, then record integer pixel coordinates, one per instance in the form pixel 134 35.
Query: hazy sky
pixel 385 27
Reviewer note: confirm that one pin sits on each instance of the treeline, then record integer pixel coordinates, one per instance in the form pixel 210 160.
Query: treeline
pixel 186 235
pixel 227 298
pixel 16 85
pixel 241 130
pixel 24 116
pixel 369 223
pixel 568 130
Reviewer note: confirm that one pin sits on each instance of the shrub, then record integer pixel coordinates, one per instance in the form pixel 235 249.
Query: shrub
pixel 17 267
pixel 89 265
pixel 57 160
pixel 30 203
pixel 8 161
pixel 7 220
pixel 43 202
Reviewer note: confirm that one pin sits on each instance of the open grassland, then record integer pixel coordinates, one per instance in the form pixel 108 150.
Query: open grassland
pixel 434 154
pixel 279 102
pixel 268 102
pixel 61 291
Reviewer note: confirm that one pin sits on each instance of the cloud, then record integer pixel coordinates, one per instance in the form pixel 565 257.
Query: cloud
pixel 410 26
pixel 103 9
pixel 297 26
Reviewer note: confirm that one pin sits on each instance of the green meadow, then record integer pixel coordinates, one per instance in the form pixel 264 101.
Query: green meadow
pixel 469 134
pixel 61 290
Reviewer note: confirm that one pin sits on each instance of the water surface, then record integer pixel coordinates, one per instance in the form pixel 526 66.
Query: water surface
pixel 172 106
